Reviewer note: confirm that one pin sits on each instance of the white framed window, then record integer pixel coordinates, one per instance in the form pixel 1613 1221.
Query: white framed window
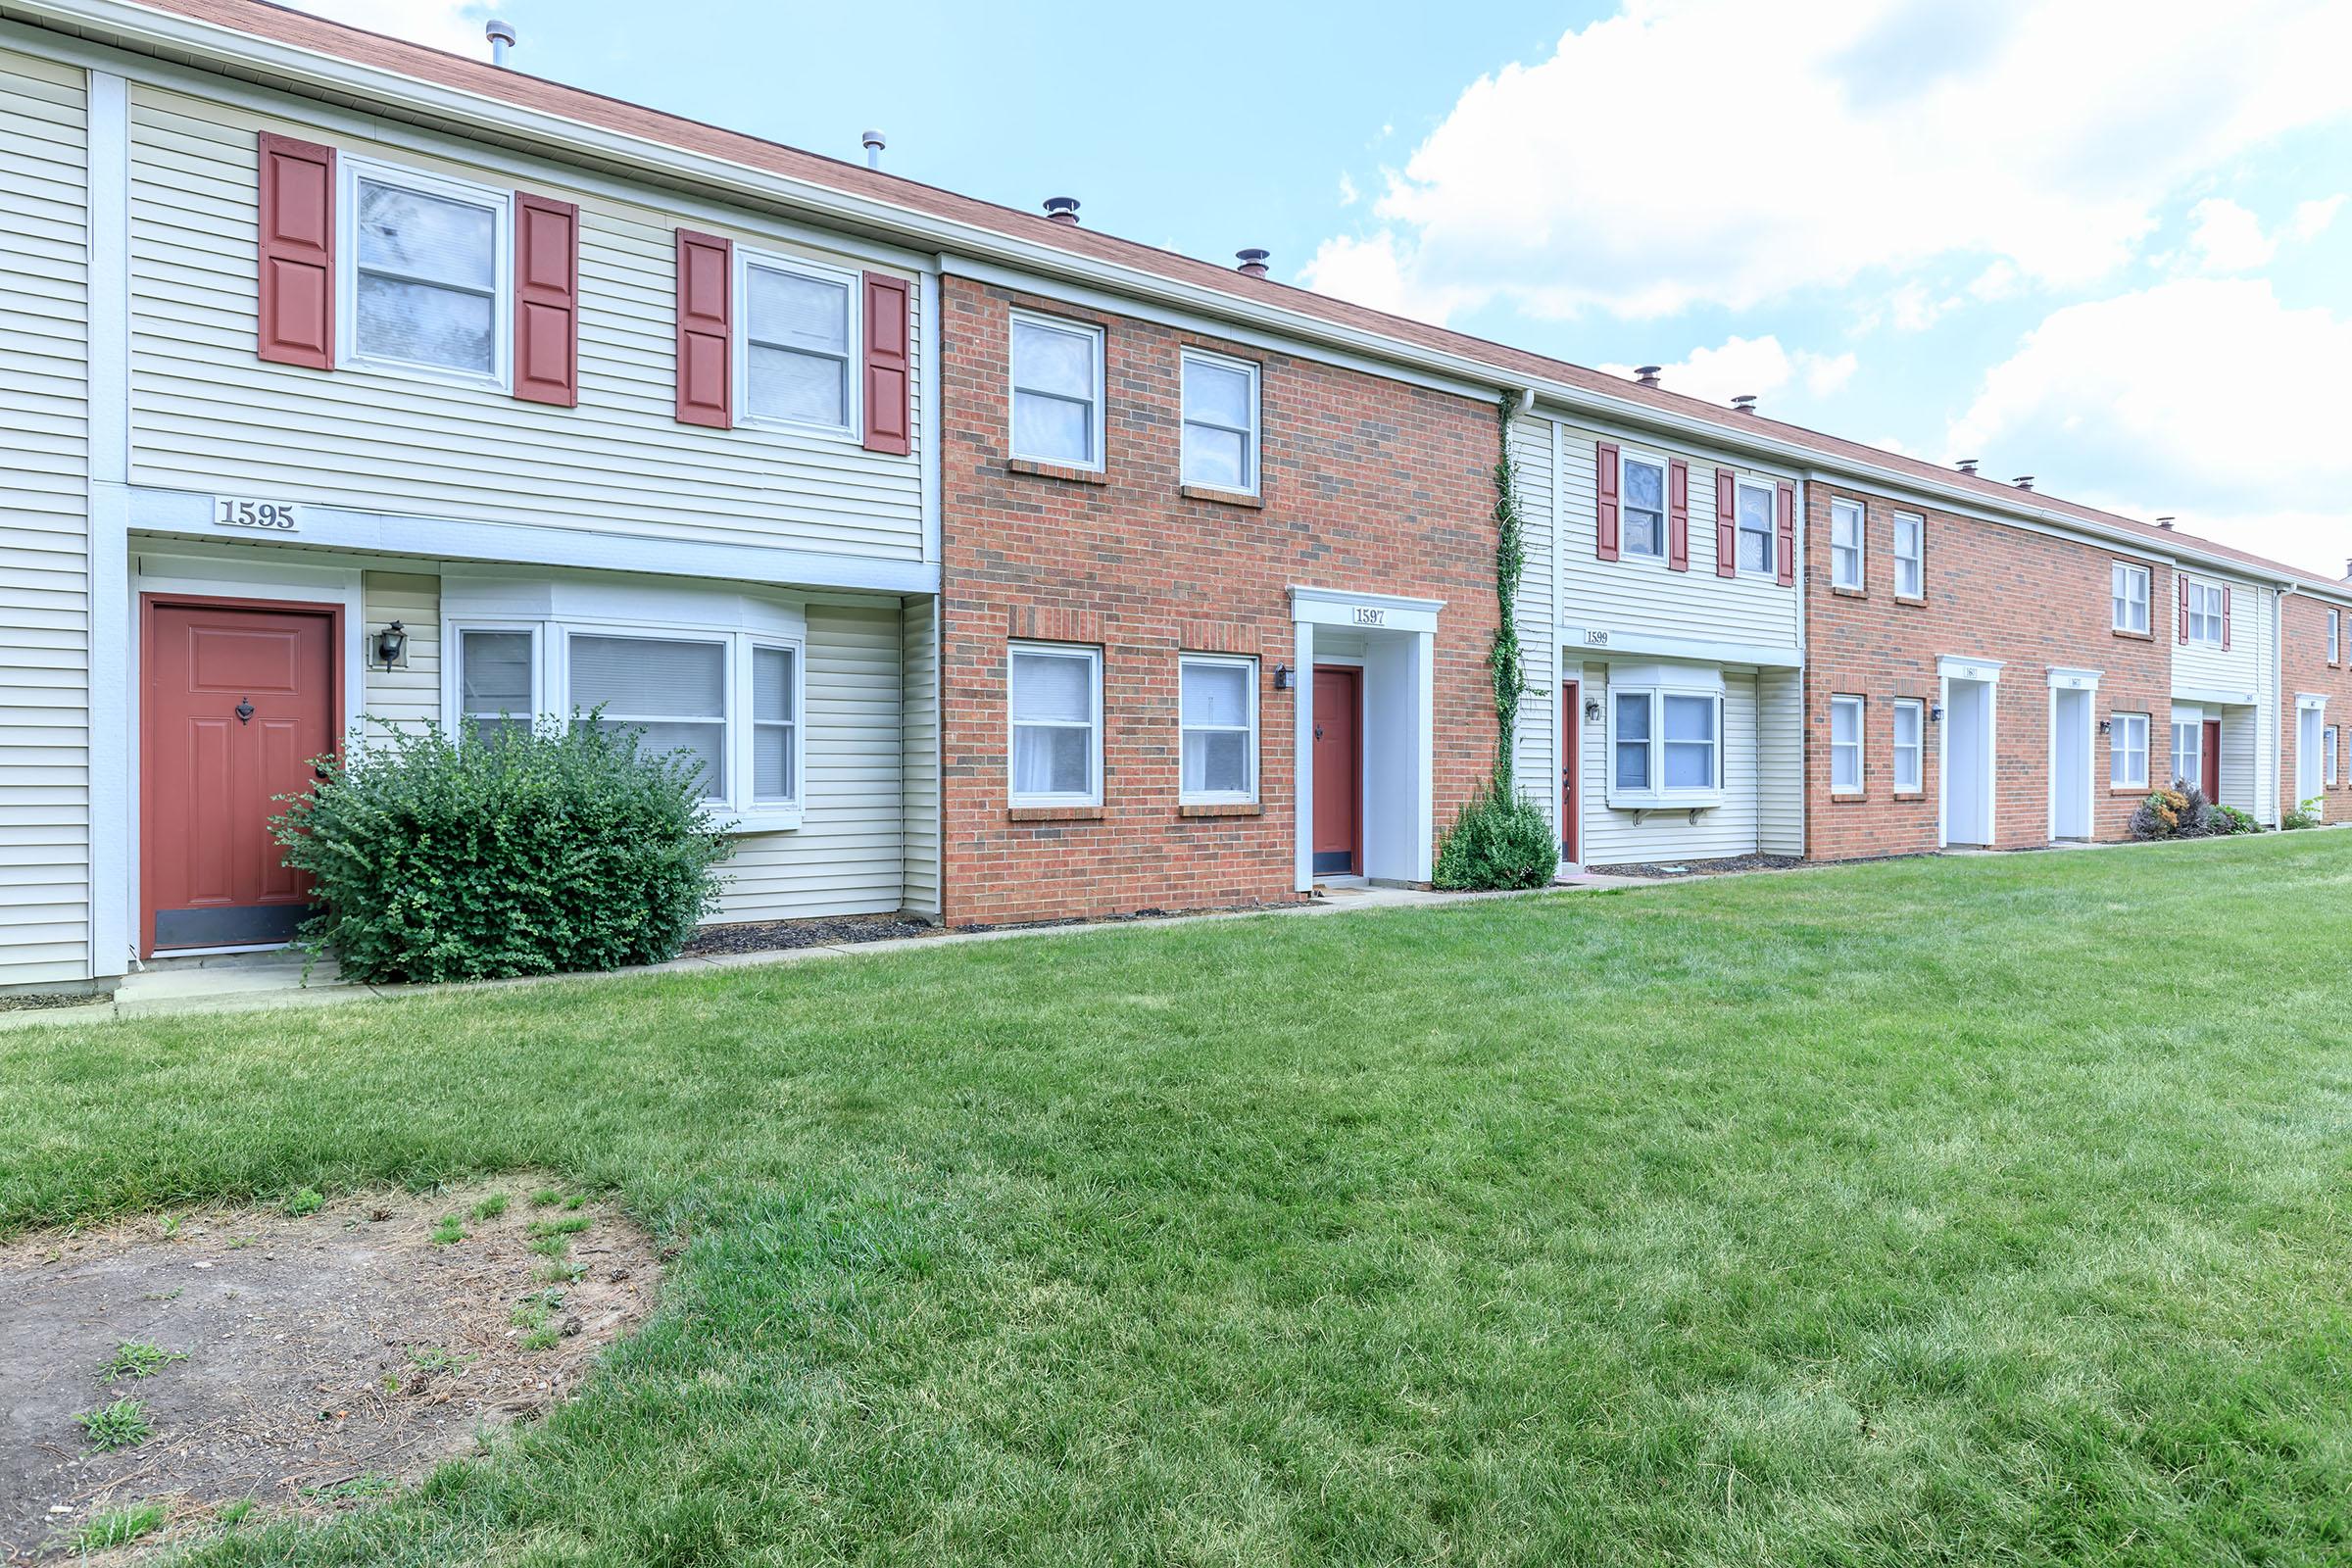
pixel 2128 752
pixel 1220 422
pixel 423 279
pixel 1753 507
pixel 1217 716
pixel 2188 737
pixel 796 359
pixel 2129 589
pixel 2335 636
pixel 1910 716
pixel 1055 707
pixel 2328 753
pixel 1910 556
pixel 1846 744
pixel 1665 745
pixel 725 699
pixel 1846 543
pixel 1642 506
pixel 2206 612
pixel 1057 391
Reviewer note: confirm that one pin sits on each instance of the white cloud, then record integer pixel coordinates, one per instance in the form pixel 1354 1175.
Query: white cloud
pixel 452 25
pixel 1745 364
pixel 2313 218
pixel 2225 237
pixel 2205 397
pixel 1683 152
pixel 1347 192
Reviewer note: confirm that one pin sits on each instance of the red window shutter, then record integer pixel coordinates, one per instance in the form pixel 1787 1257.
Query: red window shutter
pixel 706 327
pixel 2225 618
pixel 2183 582
pixel 297 252
pixel 1605 501
pixel 547 301
pixel 1678 515
pixel 1785 532
pixel 889 379
pixel 1727 525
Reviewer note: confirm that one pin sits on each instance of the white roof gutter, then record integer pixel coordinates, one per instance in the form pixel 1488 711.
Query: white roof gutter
pixel 176 38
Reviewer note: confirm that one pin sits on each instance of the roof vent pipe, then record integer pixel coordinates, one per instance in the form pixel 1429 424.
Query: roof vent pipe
pixel 1745 403
pixel 2348 571
pixel 1647 374
pixel 874 143
pixel 2024 482
pixel 1251 262
pixel 1967 466
pixel 502 38
pixel 1062 209
pixel 2166 524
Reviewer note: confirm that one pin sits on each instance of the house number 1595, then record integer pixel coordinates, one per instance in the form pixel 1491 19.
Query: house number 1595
pixel 230 513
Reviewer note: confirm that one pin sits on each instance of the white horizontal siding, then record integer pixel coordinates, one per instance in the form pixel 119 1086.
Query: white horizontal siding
pixel 2245 664
pixel 847 855
pixel 1780 762
pixel 208 415
pixel 919 796
pixel 408 694
pixel 2251 739
pixel 44 524
pixel 1638 595
pixel 1536 762
pixel 1613 836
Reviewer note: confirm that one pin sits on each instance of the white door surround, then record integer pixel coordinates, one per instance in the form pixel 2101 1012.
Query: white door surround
pixel 1967 749
pixel 1399 640
pixel 2073 728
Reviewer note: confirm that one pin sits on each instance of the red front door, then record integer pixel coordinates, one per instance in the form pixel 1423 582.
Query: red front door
pixel 1571 701
pixel 1339 770
pixel 2209 760
pixel 238 698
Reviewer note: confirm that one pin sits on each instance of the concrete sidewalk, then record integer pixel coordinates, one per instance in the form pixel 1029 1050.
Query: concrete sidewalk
pixel 253 981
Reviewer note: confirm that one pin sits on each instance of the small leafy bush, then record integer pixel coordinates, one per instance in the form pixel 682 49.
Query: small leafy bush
pixel 437 857
pixel 1498 841
pixel 2183 812
pixel 2160 815
pixel 2305 814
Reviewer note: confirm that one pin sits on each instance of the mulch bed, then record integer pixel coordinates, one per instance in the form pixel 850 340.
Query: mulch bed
pixel 310 1363
pixel 768 936
pixel 51 998
pixel 1670 870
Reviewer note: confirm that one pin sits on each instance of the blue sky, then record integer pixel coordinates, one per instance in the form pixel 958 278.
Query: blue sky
pixel 2105 243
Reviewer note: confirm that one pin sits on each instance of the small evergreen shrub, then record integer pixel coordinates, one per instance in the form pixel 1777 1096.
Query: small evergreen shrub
pixel 1498 841
pixel 440 858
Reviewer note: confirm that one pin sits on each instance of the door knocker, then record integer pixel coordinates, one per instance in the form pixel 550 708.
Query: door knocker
pixel 244 711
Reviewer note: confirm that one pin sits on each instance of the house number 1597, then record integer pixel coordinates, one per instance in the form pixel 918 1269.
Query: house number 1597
pixel 230 513
pixel 1370 618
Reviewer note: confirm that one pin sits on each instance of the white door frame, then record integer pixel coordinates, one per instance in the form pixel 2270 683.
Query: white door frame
pixel 1987 673
pixel 1373 614
pixel 2076 680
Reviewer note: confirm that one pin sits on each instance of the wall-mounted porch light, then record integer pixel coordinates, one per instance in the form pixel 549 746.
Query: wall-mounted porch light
pixel 1591 710
pixel 1936 714
pixel 1282 677
pixel 390 643
pixel 2106 726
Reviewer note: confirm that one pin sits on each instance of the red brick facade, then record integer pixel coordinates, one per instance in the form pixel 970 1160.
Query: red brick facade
pixel 2304 667
pixel 1367 485
pixel 2029 600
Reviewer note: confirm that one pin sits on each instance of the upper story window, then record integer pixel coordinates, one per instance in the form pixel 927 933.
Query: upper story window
pixel 1643 486
pixel 2335 636
pixel 1910 556
pixel 1057 391
pixel 2328 751
pixel 2207 612
pixel 1220 422
pixel 1752 511
pixel 2129 592
pixel 1218 703
pixel 1056 709
pixel 1846 543
pixel 427 287
pixel 800 341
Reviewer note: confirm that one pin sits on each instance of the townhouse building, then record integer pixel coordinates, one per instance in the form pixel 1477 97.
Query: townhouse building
pixel 993 568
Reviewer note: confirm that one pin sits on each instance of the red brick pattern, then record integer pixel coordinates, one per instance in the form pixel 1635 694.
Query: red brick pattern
pixel 1368 485
pixel 2029 600
pixel 2304 667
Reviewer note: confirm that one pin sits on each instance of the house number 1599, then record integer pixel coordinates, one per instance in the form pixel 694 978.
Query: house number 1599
pixel 230 513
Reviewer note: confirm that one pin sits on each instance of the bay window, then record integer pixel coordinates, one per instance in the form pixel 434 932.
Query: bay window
pixel 1665 738
pixel 1217 718
pixel 1846 744
pixel 495 694
pixel 673 692
pixel 1056 709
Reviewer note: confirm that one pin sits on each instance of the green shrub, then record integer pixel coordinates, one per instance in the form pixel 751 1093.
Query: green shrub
pixel 2305 814
pixel 2160 815
pixel 437 858
pixel 1498 841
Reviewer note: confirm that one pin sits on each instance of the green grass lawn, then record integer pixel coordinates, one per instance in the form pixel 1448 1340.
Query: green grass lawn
pixel 1988 1210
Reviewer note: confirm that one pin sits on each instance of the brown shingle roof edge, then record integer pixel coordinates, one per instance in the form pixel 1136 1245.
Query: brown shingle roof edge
pixel 1508 367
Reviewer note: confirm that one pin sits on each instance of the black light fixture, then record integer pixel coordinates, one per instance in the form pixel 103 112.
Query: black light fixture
pixel 2106 726
pixel 390 643
pixel 1282 677
pixel 1591 710
pixel 1936 714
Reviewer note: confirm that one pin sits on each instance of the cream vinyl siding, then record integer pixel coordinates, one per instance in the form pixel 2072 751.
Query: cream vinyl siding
pixel 1640 595
pixel 1536 745
pixel 2242 667
pixel 2250 738
pixel 848 857
pixel 1780 762
pixel 919 796
pixel 408 694
pixel 207 416
pixel 44 525
pixel 1612 836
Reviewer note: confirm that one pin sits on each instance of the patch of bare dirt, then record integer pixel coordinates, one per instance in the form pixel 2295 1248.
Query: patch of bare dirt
pixel 306 1362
